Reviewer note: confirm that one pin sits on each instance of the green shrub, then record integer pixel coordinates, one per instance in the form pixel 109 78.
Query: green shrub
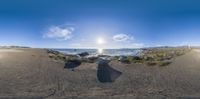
pixel 130 59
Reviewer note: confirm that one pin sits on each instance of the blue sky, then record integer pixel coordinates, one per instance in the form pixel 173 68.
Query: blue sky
pixel 115 23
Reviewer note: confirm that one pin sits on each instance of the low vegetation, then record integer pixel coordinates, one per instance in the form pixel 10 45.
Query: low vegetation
pixel 150 57
pixel 56 55
pixel 156 56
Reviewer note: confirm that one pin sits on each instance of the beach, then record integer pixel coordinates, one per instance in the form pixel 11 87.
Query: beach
pixel 29 73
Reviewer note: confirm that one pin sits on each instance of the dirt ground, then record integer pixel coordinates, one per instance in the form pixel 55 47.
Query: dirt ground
pixel 31 74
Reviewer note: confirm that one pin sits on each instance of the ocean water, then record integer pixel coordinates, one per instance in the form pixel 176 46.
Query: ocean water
pixel 110 52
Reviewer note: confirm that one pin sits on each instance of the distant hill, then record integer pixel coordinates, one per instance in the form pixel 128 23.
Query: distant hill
pixel 14 47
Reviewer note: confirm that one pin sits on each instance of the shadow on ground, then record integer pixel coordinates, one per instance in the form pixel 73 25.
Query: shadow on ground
pixel 106 73
pixel 72 64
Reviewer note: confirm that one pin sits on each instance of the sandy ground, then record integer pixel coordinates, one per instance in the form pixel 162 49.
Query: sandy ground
pixel 31 74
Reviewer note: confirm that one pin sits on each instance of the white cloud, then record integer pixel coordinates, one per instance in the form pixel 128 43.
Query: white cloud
pixel 59 33
pixel 122 37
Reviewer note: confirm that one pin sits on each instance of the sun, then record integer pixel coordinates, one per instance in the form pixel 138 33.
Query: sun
pixel 100 41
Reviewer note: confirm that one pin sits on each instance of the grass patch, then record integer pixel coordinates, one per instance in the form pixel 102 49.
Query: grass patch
pixel 161 56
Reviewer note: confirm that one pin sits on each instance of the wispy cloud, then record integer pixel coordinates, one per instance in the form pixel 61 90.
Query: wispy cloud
pixel 122 37
pixel 126 41
pixel 59 32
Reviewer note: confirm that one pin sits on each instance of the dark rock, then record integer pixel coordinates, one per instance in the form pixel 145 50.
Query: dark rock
pixel 70 64
pixel 83 54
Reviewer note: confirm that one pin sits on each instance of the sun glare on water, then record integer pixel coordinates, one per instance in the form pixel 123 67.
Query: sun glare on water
pixel 100 42
pixel 100 50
